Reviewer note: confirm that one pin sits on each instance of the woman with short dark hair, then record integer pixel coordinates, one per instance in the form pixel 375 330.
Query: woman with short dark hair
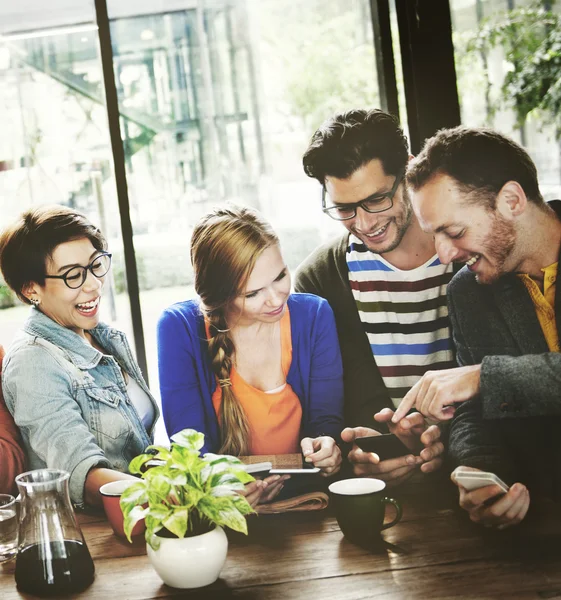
pixel 71 382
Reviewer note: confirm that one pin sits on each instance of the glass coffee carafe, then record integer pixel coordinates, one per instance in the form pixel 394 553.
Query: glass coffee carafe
pixel 53 559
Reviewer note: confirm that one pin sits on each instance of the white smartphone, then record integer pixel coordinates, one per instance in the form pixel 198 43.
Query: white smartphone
pixel 261 468
pixel 309 471
pixel 473 480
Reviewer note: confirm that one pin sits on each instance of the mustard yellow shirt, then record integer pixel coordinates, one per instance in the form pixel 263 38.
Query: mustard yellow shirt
pixel 544 304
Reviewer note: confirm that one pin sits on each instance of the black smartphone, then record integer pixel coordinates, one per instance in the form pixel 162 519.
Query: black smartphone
pixel 386 446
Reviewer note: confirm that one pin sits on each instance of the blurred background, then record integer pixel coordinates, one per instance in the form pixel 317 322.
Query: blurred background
pixel 216 101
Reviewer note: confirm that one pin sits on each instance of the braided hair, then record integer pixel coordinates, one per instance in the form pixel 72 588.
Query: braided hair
pixel 225 246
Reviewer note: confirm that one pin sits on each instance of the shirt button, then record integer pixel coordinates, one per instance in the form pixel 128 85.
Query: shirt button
pixel 504 406
pixel 552 278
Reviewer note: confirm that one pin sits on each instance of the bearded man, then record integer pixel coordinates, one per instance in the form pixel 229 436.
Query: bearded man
pixel 476 191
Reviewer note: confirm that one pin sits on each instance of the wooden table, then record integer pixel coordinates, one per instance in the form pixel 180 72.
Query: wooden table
pixel 435 552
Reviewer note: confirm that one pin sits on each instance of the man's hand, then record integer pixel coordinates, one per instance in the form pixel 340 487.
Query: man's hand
pixel 507 510
pixel 368 464
pixel 414 433
pixel 322 452
pixel 437 391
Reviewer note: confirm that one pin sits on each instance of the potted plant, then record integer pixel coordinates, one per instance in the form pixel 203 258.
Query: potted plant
pixel 186 500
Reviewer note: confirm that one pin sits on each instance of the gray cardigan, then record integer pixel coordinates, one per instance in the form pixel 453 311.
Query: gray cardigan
pixel 510 426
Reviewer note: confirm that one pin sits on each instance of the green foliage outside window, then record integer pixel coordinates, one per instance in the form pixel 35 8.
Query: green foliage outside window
pixel 531 41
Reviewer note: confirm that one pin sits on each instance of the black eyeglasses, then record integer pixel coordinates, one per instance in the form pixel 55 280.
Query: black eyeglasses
pixel 373 204
pixel 76 276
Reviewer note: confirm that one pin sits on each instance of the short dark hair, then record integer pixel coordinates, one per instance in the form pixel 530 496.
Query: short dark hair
pixel 349 140
pixel 27 243
pixel 481 161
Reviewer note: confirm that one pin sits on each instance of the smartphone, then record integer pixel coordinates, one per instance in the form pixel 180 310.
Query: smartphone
pixel 265 469
pixel 261 468
pixel 303 471
pixel 473 480
pixel 386 446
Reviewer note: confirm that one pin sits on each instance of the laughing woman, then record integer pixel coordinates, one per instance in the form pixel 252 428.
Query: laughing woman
pixel 252 366
pixel 71 383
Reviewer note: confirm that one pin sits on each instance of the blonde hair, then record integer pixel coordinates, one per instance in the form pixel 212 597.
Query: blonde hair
pixel 225 246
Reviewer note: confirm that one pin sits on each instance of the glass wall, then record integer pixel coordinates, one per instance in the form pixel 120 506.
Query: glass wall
pixel 54 146
pixel 481 71
pixel 218 102
pixel 217 99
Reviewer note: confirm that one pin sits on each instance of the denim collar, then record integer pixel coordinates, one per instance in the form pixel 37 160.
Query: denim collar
pixel 79 352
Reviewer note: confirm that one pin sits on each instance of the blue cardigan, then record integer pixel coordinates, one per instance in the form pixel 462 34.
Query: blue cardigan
pixel 187 381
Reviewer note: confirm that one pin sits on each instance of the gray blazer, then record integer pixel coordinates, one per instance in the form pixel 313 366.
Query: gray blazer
pixel 518 412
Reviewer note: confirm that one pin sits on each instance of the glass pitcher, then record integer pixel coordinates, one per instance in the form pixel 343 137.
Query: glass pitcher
pixel 53 558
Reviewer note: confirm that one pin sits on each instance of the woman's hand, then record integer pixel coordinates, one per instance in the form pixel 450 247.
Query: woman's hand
pixel 322 452
pixel 264 490
pixel 275 483
pixel 253 491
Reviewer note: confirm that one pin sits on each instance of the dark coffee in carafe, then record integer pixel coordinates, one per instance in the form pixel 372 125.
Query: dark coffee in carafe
pixel 53 559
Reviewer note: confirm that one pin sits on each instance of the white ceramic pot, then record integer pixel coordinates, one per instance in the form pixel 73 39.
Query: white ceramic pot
pixel 190 562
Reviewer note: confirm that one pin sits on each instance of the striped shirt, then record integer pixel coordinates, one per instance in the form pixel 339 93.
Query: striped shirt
pixel 404 314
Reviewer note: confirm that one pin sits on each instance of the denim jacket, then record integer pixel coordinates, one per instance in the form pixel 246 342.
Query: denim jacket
pixel 70 401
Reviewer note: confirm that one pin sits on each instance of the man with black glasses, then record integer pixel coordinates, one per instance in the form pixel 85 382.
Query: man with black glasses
pixel 384 282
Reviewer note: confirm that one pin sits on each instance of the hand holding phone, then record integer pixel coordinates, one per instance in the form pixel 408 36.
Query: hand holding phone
pixel 503 509
pixel 473 480
pixel 386 445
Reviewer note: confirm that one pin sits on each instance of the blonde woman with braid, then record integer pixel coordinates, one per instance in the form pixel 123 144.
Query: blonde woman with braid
pixel 252 366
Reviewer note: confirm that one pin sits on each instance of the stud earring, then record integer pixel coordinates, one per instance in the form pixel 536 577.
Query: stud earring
pixel 35 301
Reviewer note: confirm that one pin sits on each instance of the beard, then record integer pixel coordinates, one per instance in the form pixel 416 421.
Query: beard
pixel 497 247
pixel 401 222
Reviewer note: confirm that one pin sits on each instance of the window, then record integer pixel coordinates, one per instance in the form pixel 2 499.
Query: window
pixel 54 147
pixel 480 77
pixel 217 100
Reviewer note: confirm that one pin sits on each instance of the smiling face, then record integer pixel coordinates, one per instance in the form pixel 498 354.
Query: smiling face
pixel 381 232
pixel 464 232
pixel 75 309
pixel 264 296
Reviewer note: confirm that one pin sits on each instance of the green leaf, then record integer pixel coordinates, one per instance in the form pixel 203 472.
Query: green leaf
pixel 183 459
pixel 221 458
pixel 159 487
pixel 138 462
pixel 134 494
pixel 177 521
pixel 227 490
pixel 189 438
pixel 232 519
pixel 195 495
pixel 243 477
pixel 153 540
pixel 242 505
pixel 177 477
pixel 137 513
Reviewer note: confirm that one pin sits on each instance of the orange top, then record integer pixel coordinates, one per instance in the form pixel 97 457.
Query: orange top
pixel 274 418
